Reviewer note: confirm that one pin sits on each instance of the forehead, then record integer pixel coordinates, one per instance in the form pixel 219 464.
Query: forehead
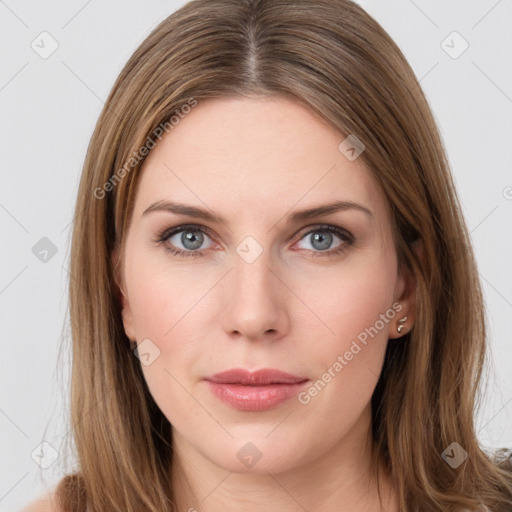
pixel 243 155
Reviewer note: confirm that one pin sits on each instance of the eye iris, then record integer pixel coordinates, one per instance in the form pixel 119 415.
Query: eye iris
pixel 325 240
pixel 191 240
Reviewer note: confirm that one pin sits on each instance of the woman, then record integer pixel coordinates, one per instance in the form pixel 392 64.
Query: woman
pixel 274 302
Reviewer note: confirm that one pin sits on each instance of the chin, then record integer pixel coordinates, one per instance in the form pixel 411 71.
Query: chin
pixel 257 456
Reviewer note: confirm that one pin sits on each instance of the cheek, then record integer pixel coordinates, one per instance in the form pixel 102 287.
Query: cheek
pixel 347 362
pixel 352 297
pixel 172 307
pixel 355 305
pixel 169 309
pixel 162 295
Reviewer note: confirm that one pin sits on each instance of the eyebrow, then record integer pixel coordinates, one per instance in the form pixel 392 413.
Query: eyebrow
pixel 297 216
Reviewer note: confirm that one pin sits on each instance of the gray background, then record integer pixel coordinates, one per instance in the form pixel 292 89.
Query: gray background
pixel 49 109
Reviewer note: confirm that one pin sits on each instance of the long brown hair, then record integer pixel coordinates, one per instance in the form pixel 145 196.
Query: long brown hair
pixel 332 57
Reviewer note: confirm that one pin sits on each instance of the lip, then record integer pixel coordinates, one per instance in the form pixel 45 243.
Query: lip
pixel 255 391
pixel 256 378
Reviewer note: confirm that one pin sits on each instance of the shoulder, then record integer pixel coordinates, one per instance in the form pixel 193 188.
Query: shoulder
pixel 503 458
pixel 44 503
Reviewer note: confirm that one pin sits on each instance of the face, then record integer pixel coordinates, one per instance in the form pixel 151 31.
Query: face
pixel 258 286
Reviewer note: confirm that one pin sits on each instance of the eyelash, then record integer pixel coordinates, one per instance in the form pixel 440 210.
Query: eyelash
pixel 163 237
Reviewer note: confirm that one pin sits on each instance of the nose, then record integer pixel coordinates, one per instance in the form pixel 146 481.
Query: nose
pixel 256 301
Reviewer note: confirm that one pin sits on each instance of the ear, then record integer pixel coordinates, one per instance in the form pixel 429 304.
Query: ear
pixel 405 295
pixel 126 313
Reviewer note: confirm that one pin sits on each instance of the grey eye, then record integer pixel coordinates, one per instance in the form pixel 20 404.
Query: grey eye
pixel 322 240
pixel 190 239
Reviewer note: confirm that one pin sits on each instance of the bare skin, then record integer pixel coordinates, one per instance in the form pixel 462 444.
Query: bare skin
pixel 296 307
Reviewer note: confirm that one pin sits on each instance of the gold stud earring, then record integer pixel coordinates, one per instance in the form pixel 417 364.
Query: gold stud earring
pixel 401 323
